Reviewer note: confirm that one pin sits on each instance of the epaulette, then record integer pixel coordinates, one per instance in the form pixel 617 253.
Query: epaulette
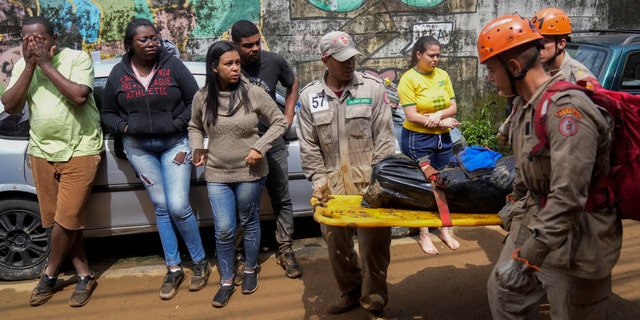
pixel 564 98
pixel 309 84
pixel 371 77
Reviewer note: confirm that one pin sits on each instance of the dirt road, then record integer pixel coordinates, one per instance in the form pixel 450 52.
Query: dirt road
pixel 448 286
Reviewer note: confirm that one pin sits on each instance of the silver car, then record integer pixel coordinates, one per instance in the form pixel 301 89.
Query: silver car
pixel 119 203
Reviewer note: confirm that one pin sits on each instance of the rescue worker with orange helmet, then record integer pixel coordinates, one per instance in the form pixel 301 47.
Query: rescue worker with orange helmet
pixel 555 26
pixel 555 249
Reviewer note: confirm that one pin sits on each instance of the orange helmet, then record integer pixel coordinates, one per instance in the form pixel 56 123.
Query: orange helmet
pixel 552 22
pixel 505 33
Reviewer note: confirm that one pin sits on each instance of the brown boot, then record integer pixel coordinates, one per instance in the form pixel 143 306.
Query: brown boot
pixel 346 302
pixel 288 262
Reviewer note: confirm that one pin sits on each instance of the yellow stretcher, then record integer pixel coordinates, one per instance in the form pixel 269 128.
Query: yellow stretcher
pixel 345 211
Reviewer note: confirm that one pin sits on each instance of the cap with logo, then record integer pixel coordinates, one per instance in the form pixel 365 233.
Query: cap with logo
pixel 338 45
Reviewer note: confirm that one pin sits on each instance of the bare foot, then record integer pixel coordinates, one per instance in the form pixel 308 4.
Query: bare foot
pixel 427 245
pixel 448 239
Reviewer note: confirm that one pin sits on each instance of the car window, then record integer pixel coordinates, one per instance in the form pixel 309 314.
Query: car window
pixel 98 90
pixel 591 57
pixel 631 74
pixel 200 79
pixel 15 125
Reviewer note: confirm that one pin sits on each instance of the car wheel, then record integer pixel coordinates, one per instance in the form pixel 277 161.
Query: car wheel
pixel 24 243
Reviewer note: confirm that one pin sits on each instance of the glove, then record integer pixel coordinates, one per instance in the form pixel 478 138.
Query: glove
pixel 321 191
pixel 503 132
pixel 517 275
pixel 505 213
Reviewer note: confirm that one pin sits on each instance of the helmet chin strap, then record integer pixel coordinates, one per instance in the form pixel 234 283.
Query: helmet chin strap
pixel 556 54
pixel 513 78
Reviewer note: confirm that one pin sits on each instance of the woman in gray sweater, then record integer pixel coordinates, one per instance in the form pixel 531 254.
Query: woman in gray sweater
pixel 227 110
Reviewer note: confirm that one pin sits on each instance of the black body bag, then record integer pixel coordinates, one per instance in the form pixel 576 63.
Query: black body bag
pixel 398 182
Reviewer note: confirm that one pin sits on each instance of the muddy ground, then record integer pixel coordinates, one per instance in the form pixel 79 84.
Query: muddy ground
pixel 448 286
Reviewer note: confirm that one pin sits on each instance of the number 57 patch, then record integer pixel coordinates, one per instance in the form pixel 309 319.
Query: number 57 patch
pixel 318 102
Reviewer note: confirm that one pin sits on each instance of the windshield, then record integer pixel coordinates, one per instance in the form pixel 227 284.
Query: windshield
pixel 591 57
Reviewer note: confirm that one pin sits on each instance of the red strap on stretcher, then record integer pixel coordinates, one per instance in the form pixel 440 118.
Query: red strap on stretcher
pixel 441 201
pixel 432 175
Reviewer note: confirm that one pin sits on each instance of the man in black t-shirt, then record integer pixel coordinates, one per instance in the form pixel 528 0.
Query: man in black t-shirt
pixel 266 69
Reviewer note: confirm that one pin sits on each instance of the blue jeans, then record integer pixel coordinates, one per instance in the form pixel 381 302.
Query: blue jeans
pixel 228 201
pixel 167 180
pixel 438 147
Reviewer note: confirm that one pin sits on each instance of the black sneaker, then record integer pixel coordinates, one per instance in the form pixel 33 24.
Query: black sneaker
pixel 250 283
pixel 170 284
pixel 82 293
pixel 288 262
pixel 43 291
pixel 201 272
pixel 223 295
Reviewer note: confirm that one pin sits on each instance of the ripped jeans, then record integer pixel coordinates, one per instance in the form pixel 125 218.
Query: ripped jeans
pixel 231 201
pixel 166 175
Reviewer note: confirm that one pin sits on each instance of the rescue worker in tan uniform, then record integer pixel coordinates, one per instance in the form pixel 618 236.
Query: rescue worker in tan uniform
pixel 344 129
pixel 555 248
pixel 555 27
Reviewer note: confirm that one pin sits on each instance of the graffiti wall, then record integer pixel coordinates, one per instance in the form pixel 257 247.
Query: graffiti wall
pixel 384 30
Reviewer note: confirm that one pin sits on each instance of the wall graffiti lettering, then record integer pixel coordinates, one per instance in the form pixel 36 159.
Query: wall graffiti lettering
pixel 439 30
pixel 384 30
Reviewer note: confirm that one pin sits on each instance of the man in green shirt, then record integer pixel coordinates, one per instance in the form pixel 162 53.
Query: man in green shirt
pixel 65 147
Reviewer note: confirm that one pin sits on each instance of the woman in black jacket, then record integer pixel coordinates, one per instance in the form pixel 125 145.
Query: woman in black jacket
pixel 147 100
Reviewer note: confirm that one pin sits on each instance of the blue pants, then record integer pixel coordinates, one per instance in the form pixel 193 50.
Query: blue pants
pixel 438 147
pixel 228 201
pixel 167 180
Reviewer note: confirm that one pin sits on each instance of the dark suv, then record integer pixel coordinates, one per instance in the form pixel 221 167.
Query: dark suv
pixel 612 55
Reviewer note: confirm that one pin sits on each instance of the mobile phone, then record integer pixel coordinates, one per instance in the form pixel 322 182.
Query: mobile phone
pixel 180 157
pixel 198 153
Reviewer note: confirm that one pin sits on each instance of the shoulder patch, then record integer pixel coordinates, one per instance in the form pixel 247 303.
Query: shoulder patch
pixel 568 126
pixel 570 110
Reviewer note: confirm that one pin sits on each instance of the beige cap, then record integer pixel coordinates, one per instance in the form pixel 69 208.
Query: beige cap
pixel 339 45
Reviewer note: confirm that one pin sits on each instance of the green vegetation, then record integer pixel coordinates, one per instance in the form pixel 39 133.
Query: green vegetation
pixel 482 130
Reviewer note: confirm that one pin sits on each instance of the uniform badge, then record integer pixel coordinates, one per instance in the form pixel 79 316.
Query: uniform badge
pixel 569 111
pixel 568 126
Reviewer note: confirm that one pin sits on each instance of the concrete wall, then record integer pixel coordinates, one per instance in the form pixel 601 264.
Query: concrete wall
pixel 384 30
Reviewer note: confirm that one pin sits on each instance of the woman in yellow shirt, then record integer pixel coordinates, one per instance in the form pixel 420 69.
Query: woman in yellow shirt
pixel 428 101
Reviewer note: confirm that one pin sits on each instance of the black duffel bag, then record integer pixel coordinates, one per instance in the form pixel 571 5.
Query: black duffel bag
pixel 398 182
